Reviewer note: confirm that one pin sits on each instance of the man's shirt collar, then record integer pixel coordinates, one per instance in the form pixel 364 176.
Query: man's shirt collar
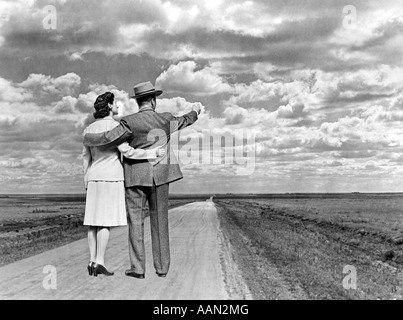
pixel 146 109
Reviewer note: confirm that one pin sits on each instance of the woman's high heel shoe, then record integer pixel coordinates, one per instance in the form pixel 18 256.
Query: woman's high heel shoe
pixel 90 268
pixel 100 269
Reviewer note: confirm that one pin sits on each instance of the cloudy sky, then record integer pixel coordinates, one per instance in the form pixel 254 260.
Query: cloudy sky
pixel 318 85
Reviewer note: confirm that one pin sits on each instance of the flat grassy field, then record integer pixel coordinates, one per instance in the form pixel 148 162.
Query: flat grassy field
pixel 316 242
pixel 33 224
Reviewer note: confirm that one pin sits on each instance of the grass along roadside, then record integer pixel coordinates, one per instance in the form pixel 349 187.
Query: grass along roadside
pixel 307 257
pixel 32 238
pixel 262 278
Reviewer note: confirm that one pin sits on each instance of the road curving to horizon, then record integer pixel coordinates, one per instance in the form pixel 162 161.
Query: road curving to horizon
pixel 201 266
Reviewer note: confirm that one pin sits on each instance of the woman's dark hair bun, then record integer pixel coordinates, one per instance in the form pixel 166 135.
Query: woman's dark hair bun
pixel 101 105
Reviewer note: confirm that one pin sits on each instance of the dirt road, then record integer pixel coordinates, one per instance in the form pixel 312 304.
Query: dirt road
pixel 201 266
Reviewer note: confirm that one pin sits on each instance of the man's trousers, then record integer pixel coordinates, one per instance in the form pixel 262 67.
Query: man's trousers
pixel 157 199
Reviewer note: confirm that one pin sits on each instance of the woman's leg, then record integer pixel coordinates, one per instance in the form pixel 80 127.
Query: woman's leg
pixel 92 242
pixel 102 242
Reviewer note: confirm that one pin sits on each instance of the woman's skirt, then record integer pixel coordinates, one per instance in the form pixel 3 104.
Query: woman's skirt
pixel 105 204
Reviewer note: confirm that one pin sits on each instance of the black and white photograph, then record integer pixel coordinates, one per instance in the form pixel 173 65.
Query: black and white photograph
pixel 222 151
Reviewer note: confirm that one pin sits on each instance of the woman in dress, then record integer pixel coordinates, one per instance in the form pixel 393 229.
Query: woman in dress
pixel 104 179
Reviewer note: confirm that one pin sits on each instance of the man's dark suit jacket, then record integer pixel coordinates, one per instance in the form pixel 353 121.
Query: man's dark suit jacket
pixel 144 130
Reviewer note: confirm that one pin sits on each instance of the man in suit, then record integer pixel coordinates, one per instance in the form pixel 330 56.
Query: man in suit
pixel 147 181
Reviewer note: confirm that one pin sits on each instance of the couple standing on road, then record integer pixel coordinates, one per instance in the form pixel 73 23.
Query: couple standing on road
pixel 117 194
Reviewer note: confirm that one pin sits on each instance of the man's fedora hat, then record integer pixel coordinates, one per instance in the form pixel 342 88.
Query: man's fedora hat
pixel 145 89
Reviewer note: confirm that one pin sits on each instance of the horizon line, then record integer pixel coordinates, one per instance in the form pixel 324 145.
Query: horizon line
pixel 227 193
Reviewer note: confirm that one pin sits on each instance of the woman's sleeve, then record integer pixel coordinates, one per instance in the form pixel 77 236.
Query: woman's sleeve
pixel 87 159
pixel 137 154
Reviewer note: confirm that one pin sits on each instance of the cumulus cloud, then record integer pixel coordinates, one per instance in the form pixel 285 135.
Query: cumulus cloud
pixel 177 106
pixel 75 56
pixel 184 78
pixel 235 115
pixel 10 92
pixel 291 111
pixel 46 85
pixel 66 105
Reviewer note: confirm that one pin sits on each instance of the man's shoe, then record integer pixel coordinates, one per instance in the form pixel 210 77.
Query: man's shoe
pixel 161 275
pixel 131 273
